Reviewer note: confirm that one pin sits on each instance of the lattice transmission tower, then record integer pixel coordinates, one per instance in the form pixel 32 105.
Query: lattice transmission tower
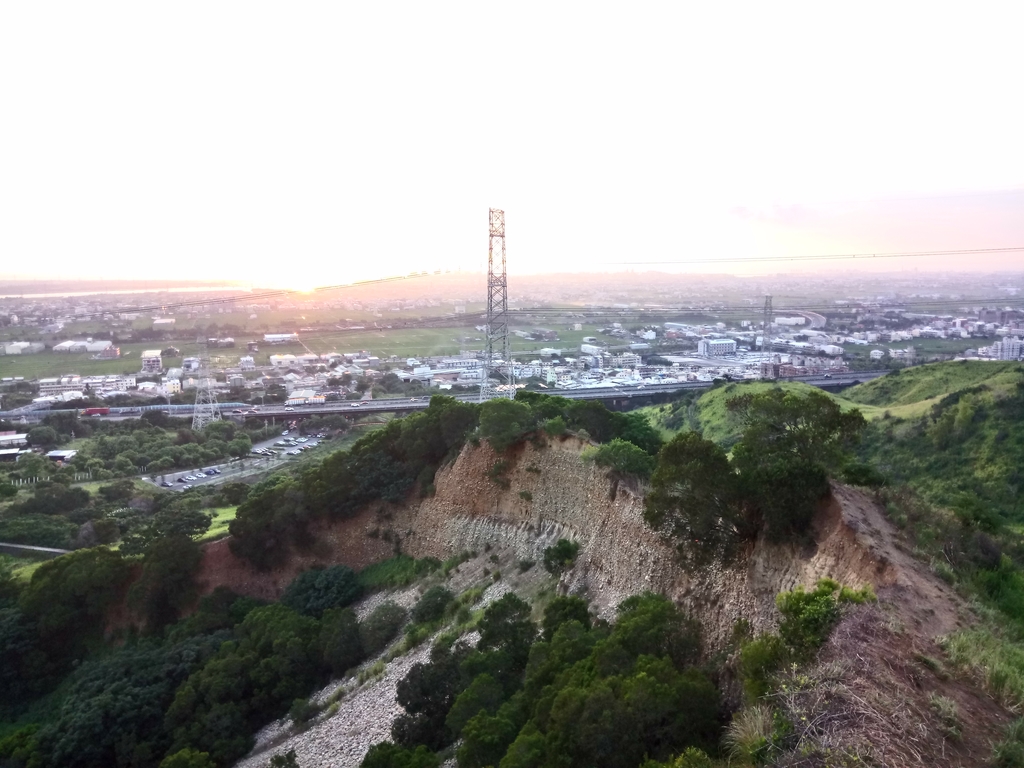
pixel 766 339
pixel 497 317
pixel 206 410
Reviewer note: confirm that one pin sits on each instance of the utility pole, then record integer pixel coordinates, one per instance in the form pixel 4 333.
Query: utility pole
pixel 766 335
pixel 497 315
pixel 206 410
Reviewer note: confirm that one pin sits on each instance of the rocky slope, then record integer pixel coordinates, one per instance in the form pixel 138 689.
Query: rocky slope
pixel 547 492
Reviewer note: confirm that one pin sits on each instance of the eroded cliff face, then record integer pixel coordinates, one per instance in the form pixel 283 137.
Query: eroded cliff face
pixel 547 492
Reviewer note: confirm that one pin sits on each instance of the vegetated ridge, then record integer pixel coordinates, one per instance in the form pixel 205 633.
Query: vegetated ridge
pixel 853 542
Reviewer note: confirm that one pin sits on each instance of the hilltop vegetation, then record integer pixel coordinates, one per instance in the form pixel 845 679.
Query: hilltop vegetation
pixel 708 412
pixel 966 450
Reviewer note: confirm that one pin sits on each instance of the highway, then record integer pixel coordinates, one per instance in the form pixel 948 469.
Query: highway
pixel 355 407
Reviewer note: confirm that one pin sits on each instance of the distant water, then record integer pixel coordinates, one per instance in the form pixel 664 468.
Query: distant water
pixel 197 289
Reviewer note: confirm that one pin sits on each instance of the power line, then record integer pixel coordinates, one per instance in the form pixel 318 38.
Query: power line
pixel 827 257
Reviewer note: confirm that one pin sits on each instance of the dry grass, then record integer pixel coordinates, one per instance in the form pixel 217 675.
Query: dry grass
pixel 870 700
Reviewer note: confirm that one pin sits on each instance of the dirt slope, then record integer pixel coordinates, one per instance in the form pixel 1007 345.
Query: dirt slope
pixel 548 492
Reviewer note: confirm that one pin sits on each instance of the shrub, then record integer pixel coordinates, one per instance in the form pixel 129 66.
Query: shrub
pixel 341 640
pixel 314 591
pixel 555 427
pixel 431 606
pixel 560 556
pixel 759 660
pixel 381 627
pixel 526 495
pixel 808 617
pixel 302 711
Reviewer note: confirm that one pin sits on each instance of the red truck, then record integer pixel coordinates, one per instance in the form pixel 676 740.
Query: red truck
pixel 96 412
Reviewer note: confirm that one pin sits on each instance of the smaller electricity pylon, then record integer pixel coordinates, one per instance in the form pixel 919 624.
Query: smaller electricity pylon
pixel 206 410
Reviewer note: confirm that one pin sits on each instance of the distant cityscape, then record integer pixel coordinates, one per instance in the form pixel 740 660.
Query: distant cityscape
pixel 613 337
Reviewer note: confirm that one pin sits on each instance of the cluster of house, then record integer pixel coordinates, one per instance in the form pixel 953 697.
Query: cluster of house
pixel 62 389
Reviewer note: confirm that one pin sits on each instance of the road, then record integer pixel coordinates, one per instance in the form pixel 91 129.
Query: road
pixel 597 393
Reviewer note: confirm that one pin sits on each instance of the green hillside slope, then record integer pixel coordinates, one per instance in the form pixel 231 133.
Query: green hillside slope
pixel 967 446
pixel 931 382
pixel 707 412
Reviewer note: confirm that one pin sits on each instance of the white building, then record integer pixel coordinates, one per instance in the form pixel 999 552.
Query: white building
pixel 247 363
pixel 1010 348
pixel 716 347
pixel 172 386
pixel 280 338
pixel 151 362
pixel 21 348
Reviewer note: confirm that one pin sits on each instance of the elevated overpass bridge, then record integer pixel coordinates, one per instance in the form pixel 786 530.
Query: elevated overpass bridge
pixel 614 397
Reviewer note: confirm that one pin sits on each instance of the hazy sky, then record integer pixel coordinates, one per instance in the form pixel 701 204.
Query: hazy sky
pixel 299 144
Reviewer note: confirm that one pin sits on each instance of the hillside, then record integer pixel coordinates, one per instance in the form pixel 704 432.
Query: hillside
pixel 966 449
pixel 480 583
pixel 928 383
pixel 854 543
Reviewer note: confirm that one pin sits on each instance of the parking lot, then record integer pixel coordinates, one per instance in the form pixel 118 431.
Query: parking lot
pixel 264 455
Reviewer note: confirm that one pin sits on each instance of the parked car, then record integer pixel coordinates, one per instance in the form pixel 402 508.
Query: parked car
pixel 289 408
pixel 186 487
pixel 181 479
pixel 166 484
pixel 285 433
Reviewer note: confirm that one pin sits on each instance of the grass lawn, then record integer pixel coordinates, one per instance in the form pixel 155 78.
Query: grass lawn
pixel 222 517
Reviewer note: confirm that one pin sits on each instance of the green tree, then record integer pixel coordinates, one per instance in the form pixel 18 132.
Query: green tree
pixel 561 610
pixel 810 428
pixel 43 437
pixel 68 598
pixel 275 659
pixel 240 446
pixel 484 694
pixel 694 500
pixel 624 458
pixel 180 520
pixel 503 422
pixel 167 585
